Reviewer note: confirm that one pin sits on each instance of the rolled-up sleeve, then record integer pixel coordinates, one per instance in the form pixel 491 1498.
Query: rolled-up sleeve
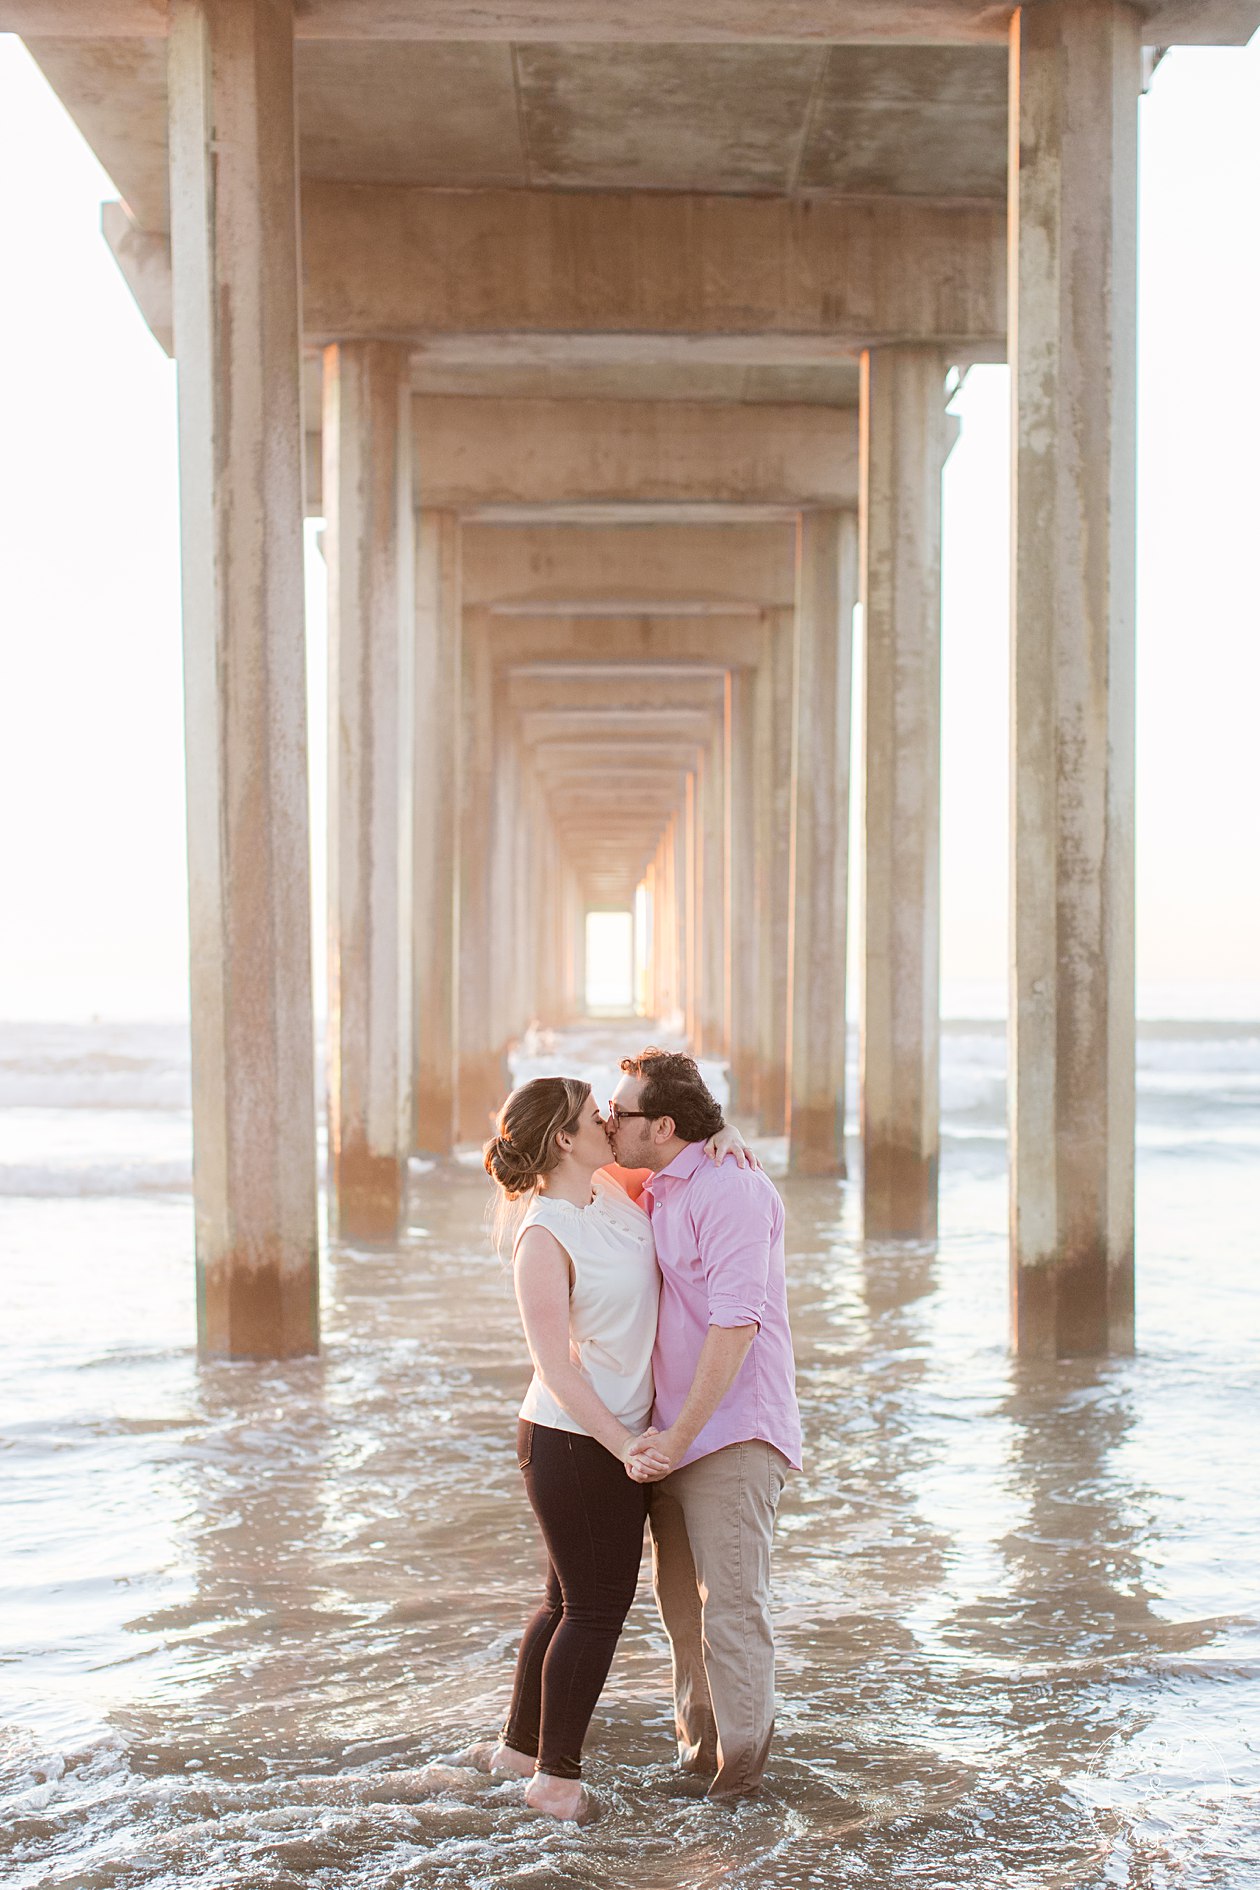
pixel 734 1230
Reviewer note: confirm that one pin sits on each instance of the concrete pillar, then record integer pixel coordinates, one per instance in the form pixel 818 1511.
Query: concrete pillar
pixel 743 929
pixel 690 895
pixel 435 827
pixel 237 331
pixel 660 928
pixel 827 587
pixel 775 696
pixel 1075 79
pixel 711 896
pixel 371 636
pixel 505 941
pixel 904 439
pixel 651 967
pixel 669 920
pixel 481 1078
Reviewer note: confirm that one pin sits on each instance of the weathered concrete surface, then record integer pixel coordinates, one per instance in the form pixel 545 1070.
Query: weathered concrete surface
pixel 435 826
pixel 577 570
pixel 371 636
pixel 711 891
pixel 827 590
pixel 904 438
pixel 775 698
pixel 534 277
pixel 587 452
pixel 1075 79
pixel 379 260
pixel 237 324
pixel 803 22
pixel 481 1075
pixel 743 925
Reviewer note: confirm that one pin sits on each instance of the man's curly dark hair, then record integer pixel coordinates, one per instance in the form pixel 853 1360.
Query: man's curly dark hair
pixel 673 1086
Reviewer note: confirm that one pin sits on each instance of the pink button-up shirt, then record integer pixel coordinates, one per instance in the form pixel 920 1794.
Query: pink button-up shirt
pixel 719 1243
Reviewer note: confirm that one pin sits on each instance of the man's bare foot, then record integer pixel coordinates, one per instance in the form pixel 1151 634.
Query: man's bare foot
pixel 491 1755
pixel 563 1798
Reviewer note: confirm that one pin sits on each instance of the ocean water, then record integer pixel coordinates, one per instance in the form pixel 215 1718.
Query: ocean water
pixel 250 1614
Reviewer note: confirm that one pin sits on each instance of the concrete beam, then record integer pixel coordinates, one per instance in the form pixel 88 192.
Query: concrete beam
pixel 634 270
pixel 628 571
pixel 633 725
pixel 144 261
pixel 536 277
pixel 710 22
pixel 544 453
pixel 682 640
pixel 617 691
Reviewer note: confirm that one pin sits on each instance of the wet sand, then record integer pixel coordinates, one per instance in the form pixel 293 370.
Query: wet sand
pixel 252 1612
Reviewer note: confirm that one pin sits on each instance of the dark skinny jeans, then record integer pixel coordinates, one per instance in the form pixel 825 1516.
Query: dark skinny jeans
pixel 591 1516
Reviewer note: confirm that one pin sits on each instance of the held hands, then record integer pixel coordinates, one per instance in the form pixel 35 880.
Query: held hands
pixel 650 1457
pixel 729 1141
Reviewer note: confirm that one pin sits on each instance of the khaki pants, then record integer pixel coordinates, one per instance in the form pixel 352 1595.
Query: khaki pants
pixel 712 1527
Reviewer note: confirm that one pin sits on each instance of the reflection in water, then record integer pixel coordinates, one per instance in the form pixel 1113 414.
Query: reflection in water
pixel 254 1612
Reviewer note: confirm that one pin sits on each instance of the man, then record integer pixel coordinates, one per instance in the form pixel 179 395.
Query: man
pixel 727 1425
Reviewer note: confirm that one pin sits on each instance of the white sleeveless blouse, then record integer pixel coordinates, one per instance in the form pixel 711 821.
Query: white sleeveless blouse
pixel 612 1303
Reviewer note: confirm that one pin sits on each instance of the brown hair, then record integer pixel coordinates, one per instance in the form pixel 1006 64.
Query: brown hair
pixel 524 1148
pixel 673 1086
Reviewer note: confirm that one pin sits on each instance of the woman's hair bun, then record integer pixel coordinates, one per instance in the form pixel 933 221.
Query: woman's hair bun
pixel 509 1166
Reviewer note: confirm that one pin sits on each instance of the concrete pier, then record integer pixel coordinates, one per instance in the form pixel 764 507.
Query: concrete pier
pixel 371 696
pixel 602 349
pixel 237 330
pixel 903 451
pixel 435 829
pixel 1075 78
pixel 827 588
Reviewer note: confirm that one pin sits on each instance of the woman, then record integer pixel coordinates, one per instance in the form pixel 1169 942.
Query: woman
pixel 587 1286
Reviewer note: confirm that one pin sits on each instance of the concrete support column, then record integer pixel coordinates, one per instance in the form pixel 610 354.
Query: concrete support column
pixel 666 981
pixel 541 997
pixel 651 967
pixel 775 697
pixel 827 587
pixel 904 439
pixel 743 930
pixel 506 939
pixel 579 948
pixel 371 639
pixel 711 897
pixel 435 827
pixel 673 922
pixel 480 1079
pixel 690 895
pixel 234 243
pixel 1075 80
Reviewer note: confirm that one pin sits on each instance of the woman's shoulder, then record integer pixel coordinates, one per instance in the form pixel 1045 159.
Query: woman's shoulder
pixel 546 1221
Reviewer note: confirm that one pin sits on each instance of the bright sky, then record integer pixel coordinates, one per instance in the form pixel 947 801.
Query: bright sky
pixel 91 730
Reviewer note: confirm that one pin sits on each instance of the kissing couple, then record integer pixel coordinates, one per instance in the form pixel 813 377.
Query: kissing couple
pixel 648 1262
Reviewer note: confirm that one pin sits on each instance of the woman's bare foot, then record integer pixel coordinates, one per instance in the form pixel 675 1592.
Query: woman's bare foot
pixel 563 1798
pixel 491 1755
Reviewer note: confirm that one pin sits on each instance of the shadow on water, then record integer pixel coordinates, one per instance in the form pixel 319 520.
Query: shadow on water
pixel 983 1677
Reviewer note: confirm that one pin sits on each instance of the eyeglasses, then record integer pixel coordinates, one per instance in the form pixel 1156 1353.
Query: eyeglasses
pixel 616 1114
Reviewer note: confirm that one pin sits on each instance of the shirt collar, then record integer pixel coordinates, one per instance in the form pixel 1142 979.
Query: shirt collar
pixel 682 1168
pixel 684 1164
